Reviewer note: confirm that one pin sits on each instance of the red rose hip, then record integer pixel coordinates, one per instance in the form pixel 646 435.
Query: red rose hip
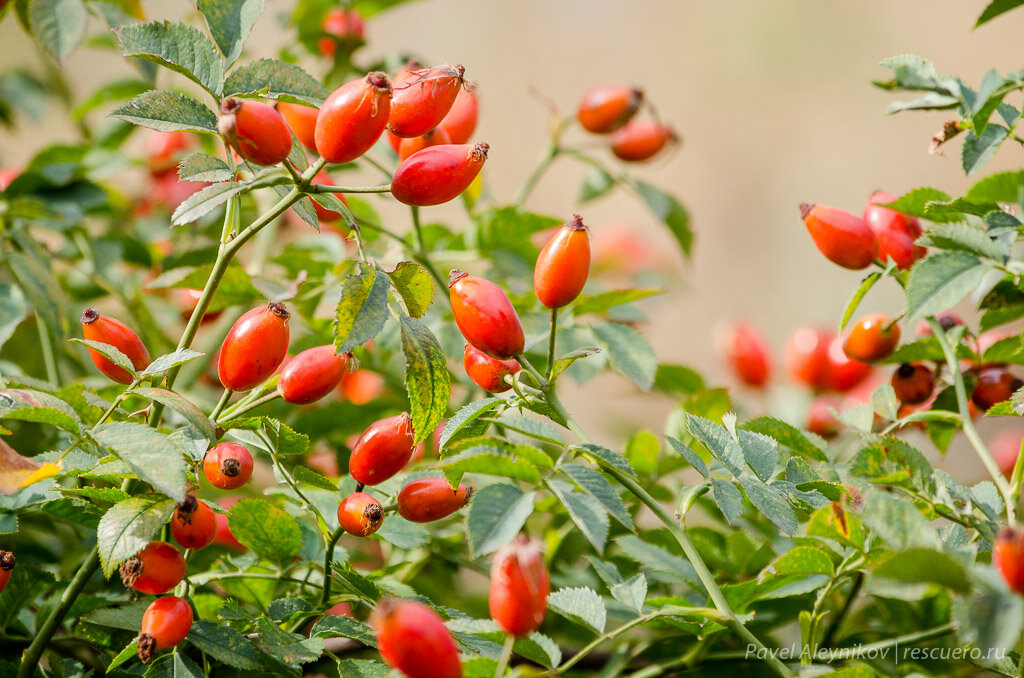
pixel 438 174
pixel 254 348
pixel 843 238
pixel 301 120
pixel 97 327
pixel 413 639
pixel 353 117
pixel 228 466
pixel 165 623
pixel 194 525
pixel 913 383
pixel 156 569
pixel 383 450
pixel 486 372
pixel 641 140
pixel 255 130
pixel 995 384
pixel 7 562
pixel 874 337
pixel 746 351
pixel 460 123
pixel 563 265
pixel 519 587
pixel 1008 557
pixel 360 514
pixel 485 316
pixel 422 100
pixel 312 374
pixel 425 500
pixel 606 108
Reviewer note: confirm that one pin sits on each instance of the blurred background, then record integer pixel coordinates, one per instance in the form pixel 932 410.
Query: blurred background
pixel 772 99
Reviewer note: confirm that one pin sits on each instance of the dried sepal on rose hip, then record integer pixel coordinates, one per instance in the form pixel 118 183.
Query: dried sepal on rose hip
pixel 360 514
pixel 413 639
pixel 255 130
pixel 156 569
pixel 228 466
pixel 165 623
pixel 7 563
pixel 519 586
pixel 107 330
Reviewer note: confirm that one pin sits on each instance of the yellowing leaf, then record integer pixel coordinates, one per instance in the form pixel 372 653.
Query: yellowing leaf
pixel 17 471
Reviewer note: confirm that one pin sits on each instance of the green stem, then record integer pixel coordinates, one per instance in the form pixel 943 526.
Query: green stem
pixel 235 413
pixel 549 156
pixel 833 627
pixel 506 655
pixel 34 652
pixel 968 424
pixel 328 559
pixel 681 536
pixel 224 398
pixel 325 188
pixel 552 328
pixel 1017 478
pixel 49 358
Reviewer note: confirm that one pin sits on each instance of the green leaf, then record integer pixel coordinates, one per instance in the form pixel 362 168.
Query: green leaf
pixel 858 296
pixel 995 8
pixel 266 530
pixel 940 280
pixel 760 452
pixel 363 308
pixel 658 559
pixel 770 502
pixel 235 288
pixel 588 514
pixel 225 644
pixel 415 286
pixel 311 477
pixel 642 451
pixel 629 353
pixel 165 362
pixel 128 527
pixel 290 648
pixel 670 211
pixel 915 202
pixel 488 463
pixel 597 486
pixel 718 442
pixel 209 198
pixel 151 455
pixel 581 605
pixel 897 523
pixel 275 79
pixel 41 288
pixel 601 303
pixel 800 560
pixel 978 150
pixel 181 48
pixel 691 457
pixel 230 22
pixel 596 183
pixel 602 456
pixel 28 405
pixel 678 380
pixel 175 665
pixel 496 514
pixel 925 565
pixel 111 352
pixel 465 417
pixel 183 406
pixel 343 627
pixel 199 166
pixel 426 377
pixel 807 445
pixel 883 400
pixel 632 593
pixel 58 25
pixel 965 238
pixel 167 112
pixel 13 310
pixel 565 362
pixel 126 654
pixel 999 187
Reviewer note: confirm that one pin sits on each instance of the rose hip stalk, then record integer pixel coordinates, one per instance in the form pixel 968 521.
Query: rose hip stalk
pixel 519 587
pixel 107 330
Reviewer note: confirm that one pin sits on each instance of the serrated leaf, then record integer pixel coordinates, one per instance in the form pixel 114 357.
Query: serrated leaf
pixel 691 457
pixel 670 211
pixel 311 477
pixel 760 452
pixel 235 288
pixel 770 502
pixel 58 25
pixel 602 302
pixel 183 406
pixel 289 648
pixel 916 201
pixel 804 444
pixel 362 310
pixel 230 22
pixel 175 665
pixel 718 442
pixel 800 560
pixel 266 530
pixel 176 46
pixel 964 238
pixel 629 353
pixel 167 112
pixel 128 526
pixel 581 605
pixel 656 558
pixel 883 400
pixel 225 644
pixel 597 486
pixel 465 417
pixel 275 79
pixel 426 377
pixel 209 198
pixel 496 514
pixel 199 166
pixel 29 405
pixel 999 187
pixel 940 280
pixel 343 627
pixel 153 458
pixel 165 362
pixel 13 310
pixel 979 149
pixel 126 654
pixel 925 565
pixel 632 592
pixel 588 514
pixel 112 353
pixel 565 362
pixel 488 463
pixel 414 285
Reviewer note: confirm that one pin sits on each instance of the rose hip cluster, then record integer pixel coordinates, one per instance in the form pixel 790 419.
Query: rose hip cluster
pixel 611 109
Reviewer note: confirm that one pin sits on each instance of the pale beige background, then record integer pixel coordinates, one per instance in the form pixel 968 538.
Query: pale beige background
pixel 773 99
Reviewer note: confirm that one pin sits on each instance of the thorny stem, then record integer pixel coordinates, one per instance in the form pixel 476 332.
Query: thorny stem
pixel 968 424
pixel 681 536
